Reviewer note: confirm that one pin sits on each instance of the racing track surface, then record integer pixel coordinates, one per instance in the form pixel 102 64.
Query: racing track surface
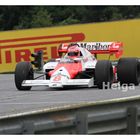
pixel 13 101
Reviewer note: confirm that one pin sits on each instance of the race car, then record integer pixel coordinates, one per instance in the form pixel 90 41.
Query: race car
pixel 78 66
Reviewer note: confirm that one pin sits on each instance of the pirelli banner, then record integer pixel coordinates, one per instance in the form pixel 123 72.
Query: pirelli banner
pixel 16 46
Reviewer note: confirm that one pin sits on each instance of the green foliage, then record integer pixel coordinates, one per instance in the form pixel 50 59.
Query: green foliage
pixel 23 17
pixel 69 20
pixel 41 18
pixel 35 17
pixel 112 13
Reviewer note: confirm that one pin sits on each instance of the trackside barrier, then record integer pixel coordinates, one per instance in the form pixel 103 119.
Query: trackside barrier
pixel 110 117
pixel 132 120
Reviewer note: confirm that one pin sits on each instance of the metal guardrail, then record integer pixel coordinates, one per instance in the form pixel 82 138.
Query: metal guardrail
pixel 107 117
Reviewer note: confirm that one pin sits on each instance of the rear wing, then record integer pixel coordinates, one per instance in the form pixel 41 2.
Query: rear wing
pixel 96 47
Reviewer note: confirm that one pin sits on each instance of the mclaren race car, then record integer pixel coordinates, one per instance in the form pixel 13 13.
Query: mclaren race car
pixel 78 66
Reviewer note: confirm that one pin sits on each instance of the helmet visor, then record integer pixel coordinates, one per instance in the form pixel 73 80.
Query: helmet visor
pixel 72 53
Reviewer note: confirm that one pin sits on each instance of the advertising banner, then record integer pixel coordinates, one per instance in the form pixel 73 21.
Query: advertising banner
pixel 16 46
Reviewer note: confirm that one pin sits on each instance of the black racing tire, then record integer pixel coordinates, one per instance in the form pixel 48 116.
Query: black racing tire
pixel 128 71
pixel 103 74
pixel 23 71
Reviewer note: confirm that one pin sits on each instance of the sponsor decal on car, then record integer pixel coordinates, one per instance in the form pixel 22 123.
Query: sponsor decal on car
pixel 57 78
pixel 95 46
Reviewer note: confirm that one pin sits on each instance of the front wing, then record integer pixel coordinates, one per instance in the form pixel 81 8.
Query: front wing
pixel 70 82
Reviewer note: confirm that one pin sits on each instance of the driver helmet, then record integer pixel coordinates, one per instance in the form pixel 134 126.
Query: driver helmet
pixel 73 51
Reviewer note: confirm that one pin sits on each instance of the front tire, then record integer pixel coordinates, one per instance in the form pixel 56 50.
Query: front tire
pixel 23 71
pixel 128 71
pixel 103 74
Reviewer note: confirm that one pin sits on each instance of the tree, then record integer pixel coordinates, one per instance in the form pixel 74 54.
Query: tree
pixel 23 17
pixel 41 17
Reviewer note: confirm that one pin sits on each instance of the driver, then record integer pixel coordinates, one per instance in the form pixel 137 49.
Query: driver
pixel 73 52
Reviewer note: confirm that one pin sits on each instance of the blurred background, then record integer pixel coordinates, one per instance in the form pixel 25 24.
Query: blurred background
pixel 25 17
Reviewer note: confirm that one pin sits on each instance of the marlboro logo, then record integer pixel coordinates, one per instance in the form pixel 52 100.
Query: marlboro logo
pixel 95 45
pixel 23 47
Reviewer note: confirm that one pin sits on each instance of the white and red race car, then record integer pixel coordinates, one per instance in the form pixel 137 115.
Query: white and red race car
pixel 78 66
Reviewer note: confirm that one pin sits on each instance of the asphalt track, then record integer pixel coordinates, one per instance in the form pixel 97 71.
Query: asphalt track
pixel 13 101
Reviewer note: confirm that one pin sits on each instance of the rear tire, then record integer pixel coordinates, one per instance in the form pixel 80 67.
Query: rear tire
pixel 128 71
pixel 103 74
pixel 23 71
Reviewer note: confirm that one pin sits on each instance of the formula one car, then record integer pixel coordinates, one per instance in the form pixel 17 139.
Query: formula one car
pixel 78 66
